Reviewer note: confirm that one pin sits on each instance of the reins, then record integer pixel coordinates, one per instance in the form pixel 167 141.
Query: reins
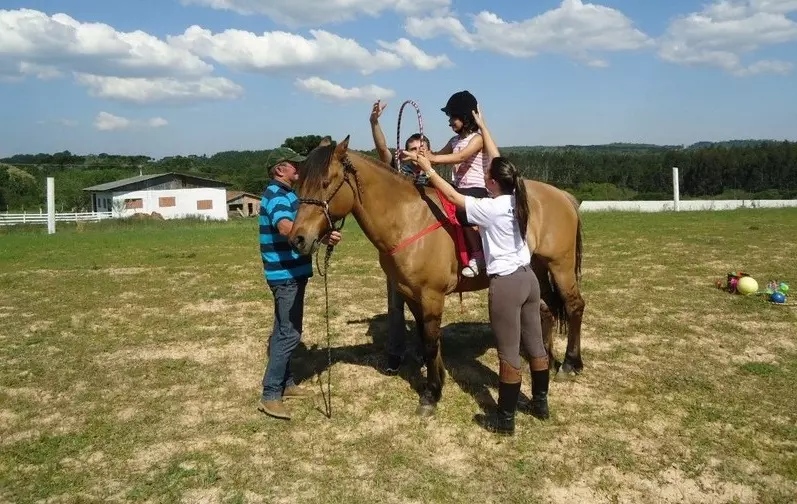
pixel 324 204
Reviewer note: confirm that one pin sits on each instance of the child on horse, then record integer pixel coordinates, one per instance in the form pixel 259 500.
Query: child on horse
pixel 465 151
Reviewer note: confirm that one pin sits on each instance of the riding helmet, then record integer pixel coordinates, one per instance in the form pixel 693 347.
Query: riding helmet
pixel 461 104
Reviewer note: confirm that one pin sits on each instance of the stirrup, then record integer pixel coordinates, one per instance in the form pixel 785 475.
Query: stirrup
pixel 471 270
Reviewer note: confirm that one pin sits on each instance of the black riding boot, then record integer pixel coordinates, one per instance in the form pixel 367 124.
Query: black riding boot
pixel 539 394
pixel 502 421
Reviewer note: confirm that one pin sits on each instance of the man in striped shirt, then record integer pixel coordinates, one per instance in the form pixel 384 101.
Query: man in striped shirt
pixel 286 274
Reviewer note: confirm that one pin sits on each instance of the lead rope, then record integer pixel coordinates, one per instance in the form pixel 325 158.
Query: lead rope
pixel 327 256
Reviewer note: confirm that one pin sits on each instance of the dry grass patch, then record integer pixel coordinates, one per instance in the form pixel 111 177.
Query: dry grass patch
pixel 134 377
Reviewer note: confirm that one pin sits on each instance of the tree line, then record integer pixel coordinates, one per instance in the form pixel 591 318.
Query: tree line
pixel 737 169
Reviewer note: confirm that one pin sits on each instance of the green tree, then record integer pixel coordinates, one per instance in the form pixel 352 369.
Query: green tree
pixel 303 144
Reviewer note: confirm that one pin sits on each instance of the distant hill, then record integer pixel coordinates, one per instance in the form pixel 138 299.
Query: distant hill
pixel 608 148
pixel 731 143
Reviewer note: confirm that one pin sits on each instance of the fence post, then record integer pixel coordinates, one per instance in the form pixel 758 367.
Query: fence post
pixel 676 193
pixel 50 205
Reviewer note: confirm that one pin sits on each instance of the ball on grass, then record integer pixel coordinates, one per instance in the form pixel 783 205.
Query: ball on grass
pixel 747 285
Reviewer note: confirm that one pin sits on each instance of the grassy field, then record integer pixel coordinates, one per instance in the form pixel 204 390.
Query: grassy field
pixel 132 356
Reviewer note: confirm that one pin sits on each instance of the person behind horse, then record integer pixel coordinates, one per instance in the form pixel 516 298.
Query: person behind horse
pixel 286 274
pixel 396 332
pixel 514 291
pixel 465 151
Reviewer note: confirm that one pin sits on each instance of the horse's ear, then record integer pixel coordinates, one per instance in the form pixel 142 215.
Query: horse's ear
pixel 327 140
pixel 342 147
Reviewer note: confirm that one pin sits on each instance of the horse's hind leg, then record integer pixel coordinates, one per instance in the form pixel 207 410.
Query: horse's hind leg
pixel 547 319
pixel 565 277
pixel 546 315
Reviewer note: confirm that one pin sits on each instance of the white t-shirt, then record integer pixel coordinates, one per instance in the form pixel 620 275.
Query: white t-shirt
pixel 505 248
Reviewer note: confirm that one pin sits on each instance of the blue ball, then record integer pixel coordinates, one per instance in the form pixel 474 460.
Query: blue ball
pixel 778 297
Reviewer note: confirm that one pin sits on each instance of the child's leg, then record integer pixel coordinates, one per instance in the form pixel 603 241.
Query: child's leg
pixel 474 242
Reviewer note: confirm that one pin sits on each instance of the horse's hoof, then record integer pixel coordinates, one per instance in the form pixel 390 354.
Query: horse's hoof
pixel 426 410
pixel 570 369
pixel 564 375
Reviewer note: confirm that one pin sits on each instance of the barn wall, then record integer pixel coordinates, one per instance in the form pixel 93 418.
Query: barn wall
pixel 186 202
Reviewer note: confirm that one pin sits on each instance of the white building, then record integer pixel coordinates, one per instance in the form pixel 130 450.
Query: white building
pixel 172 195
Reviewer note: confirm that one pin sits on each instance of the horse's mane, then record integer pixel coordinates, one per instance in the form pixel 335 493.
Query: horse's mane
pixel 378 163
pixel 314 168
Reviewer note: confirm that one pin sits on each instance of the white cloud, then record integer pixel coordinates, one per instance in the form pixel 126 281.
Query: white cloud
pixel 157 122
pixel 109 122
pixel 575 29
pixel 318 12
pixel 62 43
pixel 326 89
pixel 161 90
pixel 725 31
pixel 131 66
pixel 282 51
pixel 415 56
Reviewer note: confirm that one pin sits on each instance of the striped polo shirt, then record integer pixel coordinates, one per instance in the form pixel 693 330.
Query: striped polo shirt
pixel 280 262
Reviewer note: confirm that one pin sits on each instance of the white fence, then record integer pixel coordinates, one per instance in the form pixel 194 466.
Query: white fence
pixel 8 219
pixel 683 205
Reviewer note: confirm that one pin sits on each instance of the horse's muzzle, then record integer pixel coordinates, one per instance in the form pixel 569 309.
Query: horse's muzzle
pixel 301 245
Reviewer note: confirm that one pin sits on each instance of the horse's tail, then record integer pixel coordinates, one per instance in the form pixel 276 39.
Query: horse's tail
pixel 554 300
pixel 579 236
pixel 557 305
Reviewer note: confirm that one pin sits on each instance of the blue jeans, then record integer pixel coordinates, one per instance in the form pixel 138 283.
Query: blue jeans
pixel 285 337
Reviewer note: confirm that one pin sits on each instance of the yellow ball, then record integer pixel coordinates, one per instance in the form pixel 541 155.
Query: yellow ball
pixel 747 285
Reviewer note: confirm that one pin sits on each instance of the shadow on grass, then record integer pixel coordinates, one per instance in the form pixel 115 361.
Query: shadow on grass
pixel 463 343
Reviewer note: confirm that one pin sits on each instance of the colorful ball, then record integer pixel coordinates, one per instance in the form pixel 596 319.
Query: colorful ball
pixel 747 285
pixel 778 297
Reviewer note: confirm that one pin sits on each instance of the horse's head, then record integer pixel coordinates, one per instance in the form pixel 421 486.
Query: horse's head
pixel 326 190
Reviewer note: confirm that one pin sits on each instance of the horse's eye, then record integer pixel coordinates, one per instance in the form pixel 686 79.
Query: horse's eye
pixel 325 184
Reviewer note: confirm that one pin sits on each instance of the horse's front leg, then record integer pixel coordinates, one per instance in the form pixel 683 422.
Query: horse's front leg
pixel 432 312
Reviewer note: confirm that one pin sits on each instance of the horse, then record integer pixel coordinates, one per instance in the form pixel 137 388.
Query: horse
pixel 415 240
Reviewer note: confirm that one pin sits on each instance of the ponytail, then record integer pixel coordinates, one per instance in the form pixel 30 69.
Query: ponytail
pixel 511 182
pixel 521 204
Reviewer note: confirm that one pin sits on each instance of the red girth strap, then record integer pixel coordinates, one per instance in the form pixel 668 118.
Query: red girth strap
pixel 451 212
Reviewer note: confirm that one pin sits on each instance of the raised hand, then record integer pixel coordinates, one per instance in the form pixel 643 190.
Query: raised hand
pixel 376 111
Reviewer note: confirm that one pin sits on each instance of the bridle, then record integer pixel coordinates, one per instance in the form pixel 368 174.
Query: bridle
pixel 348 168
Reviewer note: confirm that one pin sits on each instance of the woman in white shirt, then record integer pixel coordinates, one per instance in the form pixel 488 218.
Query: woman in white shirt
pixel 514 292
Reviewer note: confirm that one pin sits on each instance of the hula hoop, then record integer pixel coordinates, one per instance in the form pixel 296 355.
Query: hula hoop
pixel 398 129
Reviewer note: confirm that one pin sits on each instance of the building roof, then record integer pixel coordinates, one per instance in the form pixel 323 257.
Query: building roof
pixel 109 186
pixel 231 195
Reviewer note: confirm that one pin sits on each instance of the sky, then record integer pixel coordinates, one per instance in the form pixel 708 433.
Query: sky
pixel 180 77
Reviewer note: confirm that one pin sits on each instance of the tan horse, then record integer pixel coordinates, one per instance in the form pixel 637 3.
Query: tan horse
pixel 391 209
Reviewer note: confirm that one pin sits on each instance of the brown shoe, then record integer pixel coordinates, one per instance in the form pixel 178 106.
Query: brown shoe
pixel 274 408
pixel 295 392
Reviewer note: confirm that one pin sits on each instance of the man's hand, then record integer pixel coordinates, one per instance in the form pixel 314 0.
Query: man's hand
pixel 333 238
pixel 376 111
